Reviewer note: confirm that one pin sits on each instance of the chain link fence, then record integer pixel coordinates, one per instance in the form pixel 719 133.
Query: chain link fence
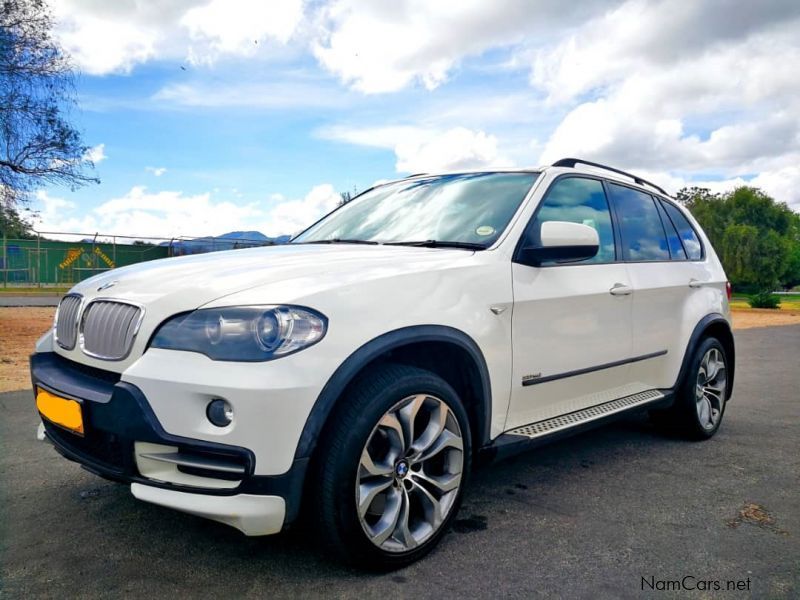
pixel 59 259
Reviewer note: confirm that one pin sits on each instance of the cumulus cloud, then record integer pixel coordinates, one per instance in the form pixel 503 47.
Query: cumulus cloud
pixel 686 90
pixel 114 37
pixel 420 150
pixel 156 171
pixel 384 46
pixel 168 214
pixel 236 26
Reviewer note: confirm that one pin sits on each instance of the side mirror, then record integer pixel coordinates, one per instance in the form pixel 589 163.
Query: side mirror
pixel 561 241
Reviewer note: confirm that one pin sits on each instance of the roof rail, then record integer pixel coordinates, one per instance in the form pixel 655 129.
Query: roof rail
pixel 571 162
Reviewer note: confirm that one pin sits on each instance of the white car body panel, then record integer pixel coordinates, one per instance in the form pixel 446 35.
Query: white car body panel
pixel 528 322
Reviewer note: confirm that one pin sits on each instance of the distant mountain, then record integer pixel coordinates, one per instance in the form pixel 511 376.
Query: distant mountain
pixel 245 235
pixel 226 241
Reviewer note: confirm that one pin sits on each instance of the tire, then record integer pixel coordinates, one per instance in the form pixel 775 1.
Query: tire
pixel 370 428
pixel 700 400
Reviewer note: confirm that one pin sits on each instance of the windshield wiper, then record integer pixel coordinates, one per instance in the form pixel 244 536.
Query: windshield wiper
pixel 439 244
pixel 340 241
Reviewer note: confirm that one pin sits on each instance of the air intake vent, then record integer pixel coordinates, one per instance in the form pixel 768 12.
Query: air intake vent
pixel 67 321
pixel 108 329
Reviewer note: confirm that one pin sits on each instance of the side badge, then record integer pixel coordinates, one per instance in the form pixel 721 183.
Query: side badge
pixel 531 377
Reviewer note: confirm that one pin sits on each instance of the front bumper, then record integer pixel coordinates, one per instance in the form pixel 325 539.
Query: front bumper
pixel 121 431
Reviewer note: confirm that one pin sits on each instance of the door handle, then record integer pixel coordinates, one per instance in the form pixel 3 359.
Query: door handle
pixel 695 283
pixel 620 289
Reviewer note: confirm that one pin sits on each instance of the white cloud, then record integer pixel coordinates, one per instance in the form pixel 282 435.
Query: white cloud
pixel 156 171
pixel 96 154
pixel 103 40
pixel 419 150
pixel 694 96
pixel 384 46
pixel 168 214
pixel 236 26
pixel 114 37
pixel 291 216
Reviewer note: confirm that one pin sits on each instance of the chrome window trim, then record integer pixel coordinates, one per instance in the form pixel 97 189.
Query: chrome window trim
pixel 78 314
pixel 135 328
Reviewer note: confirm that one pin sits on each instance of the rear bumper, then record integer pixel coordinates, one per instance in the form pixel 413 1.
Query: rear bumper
pixel 118 420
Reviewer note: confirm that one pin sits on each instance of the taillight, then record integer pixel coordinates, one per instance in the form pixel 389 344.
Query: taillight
pixel 728 290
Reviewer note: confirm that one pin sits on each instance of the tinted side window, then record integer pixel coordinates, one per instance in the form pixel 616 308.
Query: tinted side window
pixel 643 236
pixel 690 240
pixel 578 200
pixel 673 239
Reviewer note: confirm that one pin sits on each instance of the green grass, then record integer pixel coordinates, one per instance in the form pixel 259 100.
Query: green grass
pixel 788 301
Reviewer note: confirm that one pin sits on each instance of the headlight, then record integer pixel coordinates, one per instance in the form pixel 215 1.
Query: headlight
pixel 242 333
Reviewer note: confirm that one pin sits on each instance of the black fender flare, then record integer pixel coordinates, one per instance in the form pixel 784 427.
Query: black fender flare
pixel 710 320
pixel 353 364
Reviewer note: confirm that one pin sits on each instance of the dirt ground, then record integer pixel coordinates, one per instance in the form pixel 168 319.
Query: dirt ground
pixel 21 327
pixel 747 318
pixel 19 330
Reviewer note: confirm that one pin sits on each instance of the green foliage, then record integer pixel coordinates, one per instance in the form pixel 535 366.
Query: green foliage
pixel 756 238
pixel 764 300
pixel 12 225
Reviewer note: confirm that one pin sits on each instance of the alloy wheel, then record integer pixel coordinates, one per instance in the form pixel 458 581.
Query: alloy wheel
pixel 410 473
pixel 710 388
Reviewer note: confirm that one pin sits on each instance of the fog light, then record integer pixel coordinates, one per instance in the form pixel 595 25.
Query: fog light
pixel 219 412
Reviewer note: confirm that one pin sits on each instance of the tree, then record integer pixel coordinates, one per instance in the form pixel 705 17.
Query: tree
pixel 38 145
pixel 13 225
pixel 346 196
pixel 756 238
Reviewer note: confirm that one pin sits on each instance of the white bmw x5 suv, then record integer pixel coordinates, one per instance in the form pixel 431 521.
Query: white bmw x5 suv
pixel 365 366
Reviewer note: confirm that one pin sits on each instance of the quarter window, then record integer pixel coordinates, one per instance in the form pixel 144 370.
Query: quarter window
pixel 673 239
pixel 643 236
pixel 577 200
pixel 690 240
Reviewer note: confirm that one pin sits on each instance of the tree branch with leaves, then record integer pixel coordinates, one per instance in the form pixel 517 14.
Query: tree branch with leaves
pixel 38 144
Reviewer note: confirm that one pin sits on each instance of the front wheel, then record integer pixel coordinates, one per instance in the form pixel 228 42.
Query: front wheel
pixel 393 467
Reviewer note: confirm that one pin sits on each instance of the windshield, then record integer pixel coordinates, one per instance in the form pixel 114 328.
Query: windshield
pixel 468 209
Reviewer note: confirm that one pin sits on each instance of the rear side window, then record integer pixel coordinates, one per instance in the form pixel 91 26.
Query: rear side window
pixel 676 250
pixel 688 236
pixel 577 200
pixel 643 236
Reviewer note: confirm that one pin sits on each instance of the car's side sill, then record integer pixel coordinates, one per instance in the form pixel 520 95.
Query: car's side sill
pixel 535 434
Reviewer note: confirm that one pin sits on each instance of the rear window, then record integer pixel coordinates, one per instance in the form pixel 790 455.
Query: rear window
pixel 691 242
pixel 643 236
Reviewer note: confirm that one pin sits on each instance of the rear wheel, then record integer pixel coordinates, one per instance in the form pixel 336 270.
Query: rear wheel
pixel 701 398
pixel 396 459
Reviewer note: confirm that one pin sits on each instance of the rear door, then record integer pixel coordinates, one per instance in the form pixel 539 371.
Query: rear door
pixel 572 321
pixel 664 283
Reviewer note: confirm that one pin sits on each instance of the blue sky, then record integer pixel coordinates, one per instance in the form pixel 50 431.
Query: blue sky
pixel 212 115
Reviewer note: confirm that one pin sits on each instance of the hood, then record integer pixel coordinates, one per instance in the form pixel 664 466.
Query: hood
pixel 188 282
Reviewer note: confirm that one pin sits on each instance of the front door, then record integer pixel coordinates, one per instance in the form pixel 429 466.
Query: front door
pixel 572 331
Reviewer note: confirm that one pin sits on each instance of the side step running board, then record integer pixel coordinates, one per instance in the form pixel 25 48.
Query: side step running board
pixel 586 415
pixel 532 435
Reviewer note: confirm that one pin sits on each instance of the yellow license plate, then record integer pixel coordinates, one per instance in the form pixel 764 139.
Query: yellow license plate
pixel 60 411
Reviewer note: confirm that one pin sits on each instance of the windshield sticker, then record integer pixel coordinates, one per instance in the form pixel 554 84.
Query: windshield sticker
pixel 485 230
